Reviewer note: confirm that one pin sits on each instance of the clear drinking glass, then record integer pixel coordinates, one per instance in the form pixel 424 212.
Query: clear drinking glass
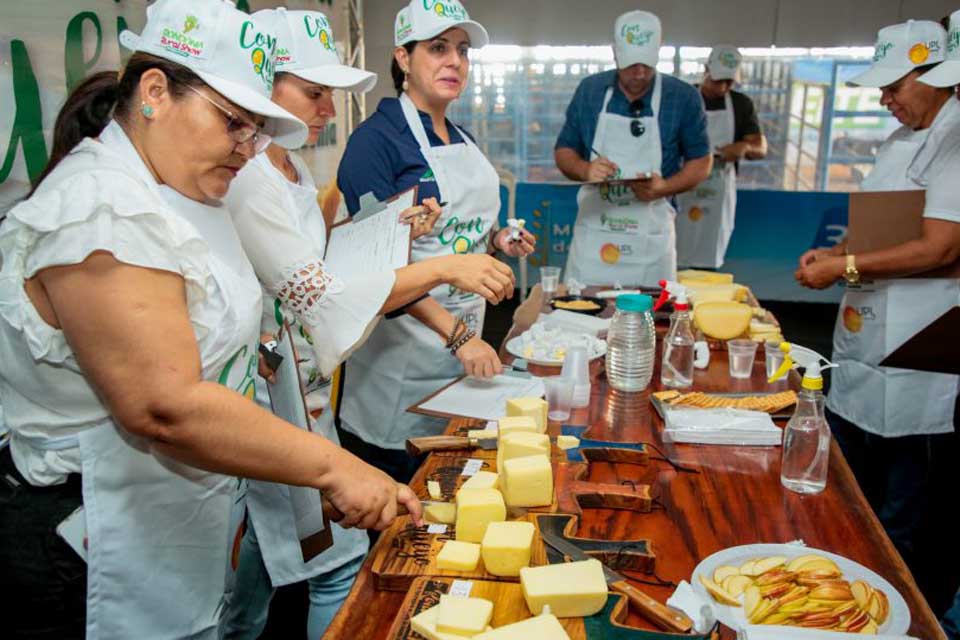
pixel 773 356
pixel 559 397
pixel 549 281
pixel 741 354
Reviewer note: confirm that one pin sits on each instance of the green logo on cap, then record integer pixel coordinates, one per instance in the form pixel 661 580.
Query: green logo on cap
pixel 319 28
pixel 450 9
pixel 728 59
pixel 403 27
pixel 190 24
pixel 953 40
pixel 883 48
pixel 632 34
pixel 263 54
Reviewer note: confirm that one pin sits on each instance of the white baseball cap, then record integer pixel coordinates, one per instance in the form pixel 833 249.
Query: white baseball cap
pixel 947 73
pixel 724 62
pixel 900 49
pixel 306 49
pixel 425 19
pixel 636 39
pixel 230 51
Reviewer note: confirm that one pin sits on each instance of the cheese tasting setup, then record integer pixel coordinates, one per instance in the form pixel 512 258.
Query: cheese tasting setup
pixel 600 526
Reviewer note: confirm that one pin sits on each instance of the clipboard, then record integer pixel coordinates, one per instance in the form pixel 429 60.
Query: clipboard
pixel 935 348
pixel 288 403
pixel 371 207
pixel 420 409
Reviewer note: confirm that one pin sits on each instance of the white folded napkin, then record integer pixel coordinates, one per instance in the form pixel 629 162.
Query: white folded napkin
pixel 721 426
pixel 697 609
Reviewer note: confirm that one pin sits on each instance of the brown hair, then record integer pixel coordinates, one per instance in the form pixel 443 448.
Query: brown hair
pixel 103 95
pixel 397 72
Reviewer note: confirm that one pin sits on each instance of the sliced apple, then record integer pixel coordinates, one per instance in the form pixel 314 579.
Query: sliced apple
pixel 855 622
pixel 884 606
pixel 795 606
pixel 861 592
pixel 736 585
pixel 722 573
pixel 776 590
pixel 718 593
pixel 871 628
pixel 799 561
pixel 820 574
pixel 749 568
pixel 873 606
pixel 766 564
pixel 776 618
pixel 815 565
pixel 846 608
pixel 751 600
pixel 765 608
pixel 775 576
pixel 796 593
pixel 823 620
pixel 837 591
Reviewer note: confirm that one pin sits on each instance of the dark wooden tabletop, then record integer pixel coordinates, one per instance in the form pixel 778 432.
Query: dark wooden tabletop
pixel 735 499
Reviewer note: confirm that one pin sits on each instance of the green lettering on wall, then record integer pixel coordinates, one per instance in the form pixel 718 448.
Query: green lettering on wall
pixel 27 127
pixel 74 65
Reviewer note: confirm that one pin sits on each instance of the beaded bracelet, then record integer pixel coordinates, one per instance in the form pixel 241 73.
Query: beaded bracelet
pixel 462 340
pixel 456 332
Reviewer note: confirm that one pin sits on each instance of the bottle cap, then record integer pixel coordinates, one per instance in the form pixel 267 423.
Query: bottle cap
pixel 634 302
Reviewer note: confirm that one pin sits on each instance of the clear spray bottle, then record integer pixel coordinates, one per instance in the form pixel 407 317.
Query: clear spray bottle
pixel 676 367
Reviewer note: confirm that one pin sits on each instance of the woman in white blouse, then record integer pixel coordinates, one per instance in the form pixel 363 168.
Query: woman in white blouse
pixel 128 339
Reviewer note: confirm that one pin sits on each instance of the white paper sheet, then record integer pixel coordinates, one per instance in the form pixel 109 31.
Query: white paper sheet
pixel 484 399
pixel 376 243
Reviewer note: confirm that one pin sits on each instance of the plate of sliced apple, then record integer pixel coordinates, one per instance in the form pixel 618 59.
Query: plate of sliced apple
pixel 798 586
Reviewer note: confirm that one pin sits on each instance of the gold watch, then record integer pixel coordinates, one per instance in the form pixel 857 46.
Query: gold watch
pixel 851 275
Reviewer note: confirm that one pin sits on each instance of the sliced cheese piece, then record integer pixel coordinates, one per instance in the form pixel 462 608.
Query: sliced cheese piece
pixel 528 481
pixel 568 442
pixel 722 320
pixel 458 556
pixel 482 434
pixel 463 617
pixel 425 623
pixel 476 508
pixel 433 488
pixel 571 589
pixel 517 445
pixel 481 480
pixel 506 547
pixel 544 627
pixel 756 326
pixel 714 277
pixel 440 512
pixel 536 408
pixel 516 423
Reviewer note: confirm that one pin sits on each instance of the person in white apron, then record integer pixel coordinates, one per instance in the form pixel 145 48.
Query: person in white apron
pixel 274 204
pixel 624 231
pixel 129 323
pixel 408 358
pixel 887 420
pixel 706 214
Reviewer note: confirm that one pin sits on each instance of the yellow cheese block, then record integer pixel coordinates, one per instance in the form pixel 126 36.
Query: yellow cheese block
pixel 433 488
pixel 571 589
pixel 528 481
pixel 481 480
pixel 545 627
pixel 714 277
pixel 440 512
pixel 425 623
pixel 476 508
pixel 506 547
pixel 722 320
pixel 458 556
pixel 536 408
pixel 516 423
pixel 568 442
pixel 463 617
pixel 517 445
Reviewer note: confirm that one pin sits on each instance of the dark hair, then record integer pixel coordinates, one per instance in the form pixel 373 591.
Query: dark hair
pixel 397 72
pixel 103 95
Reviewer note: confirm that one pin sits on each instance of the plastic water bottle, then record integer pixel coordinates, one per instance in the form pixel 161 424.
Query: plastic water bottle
pixel 806 445
pixel 676 367
pixel 631 344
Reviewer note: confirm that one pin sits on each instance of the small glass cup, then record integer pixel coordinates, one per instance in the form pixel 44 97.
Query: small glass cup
pixel 773 356
pixel 549 281
pixel 741 354
pixel 559 397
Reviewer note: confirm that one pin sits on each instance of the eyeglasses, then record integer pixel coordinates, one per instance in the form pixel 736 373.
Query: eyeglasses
pixel 239 128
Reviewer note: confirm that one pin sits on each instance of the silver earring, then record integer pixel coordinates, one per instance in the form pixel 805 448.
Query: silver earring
pixel 406 85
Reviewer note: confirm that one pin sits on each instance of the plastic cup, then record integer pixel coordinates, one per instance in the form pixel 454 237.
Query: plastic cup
pixel 576 366
pixel 549 280
pixel 741 354
pixel 559 397
pixel 773 356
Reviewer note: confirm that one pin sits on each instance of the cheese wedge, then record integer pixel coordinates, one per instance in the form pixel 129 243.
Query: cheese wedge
pixel 463 617
pixel 506 547
pixel 516 423
pixel 425 623
pixel 476 508
pixel 528 481
pixel 440 512
pixel 536 408
pixel 722 320
pixel 571 589
pixel 713 277
pixel 517 445
pixel 545 627
pixel 481 480
pixel 458 556
pixel 433 488
pixel 568 442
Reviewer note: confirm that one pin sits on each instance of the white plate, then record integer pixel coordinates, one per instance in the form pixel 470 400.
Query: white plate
pixel 897 623
pixel 514 348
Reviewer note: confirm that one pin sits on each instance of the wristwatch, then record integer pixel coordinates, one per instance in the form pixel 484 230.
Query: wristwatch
pixel 851 275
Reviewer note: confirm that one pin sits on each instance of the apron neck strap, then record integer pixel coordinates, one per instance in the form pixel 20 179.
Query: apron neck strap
pixel 654 101
pixel 412 115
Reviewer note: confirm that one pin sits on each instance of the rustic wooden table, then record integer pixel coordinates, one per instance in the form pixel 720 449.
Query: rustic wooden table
pixel 736 499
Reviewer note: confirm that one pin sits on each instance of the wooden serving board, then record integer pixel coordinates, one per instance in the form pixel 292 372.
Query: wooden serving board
pixel 405 552
pixel 448 471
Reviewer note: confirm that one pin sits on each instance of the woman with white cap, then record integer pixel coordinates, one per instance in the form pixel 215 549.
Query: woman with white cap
pixel 273 203
pixel 128 339
pixel 409 142
pixel 888 421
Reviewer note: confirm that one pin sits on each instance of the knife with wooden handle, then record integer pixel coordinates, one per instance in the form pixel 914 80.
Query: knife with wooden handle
pixel 420 446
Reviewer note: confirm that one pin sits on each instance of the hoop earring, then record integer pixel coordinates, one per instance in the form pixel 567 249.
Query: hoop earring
pixel 147 110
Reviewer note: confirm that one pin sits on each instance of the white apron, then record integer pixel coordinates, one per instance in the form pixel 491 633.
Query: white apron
pixel 404 361
pixel 706 213
pixel 270 504
pixel 617 238
pixel 876 318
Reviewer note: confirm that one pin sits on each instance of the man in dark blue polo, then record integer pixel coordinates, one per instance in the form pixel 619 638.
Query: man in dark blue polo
pixel 637 137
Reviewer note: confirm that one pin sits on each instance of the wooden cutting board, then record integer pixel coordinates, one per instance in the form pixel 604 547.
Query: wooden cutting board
pixel 405 552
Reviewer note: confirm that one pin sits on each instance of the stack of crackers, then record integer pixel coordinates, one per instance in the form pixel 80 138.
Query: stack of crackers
pixel 772 403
